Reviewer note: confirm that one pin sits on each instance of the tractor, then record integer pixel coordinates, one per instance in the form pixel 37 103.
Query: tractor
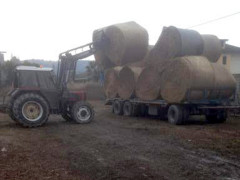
pixel 38 92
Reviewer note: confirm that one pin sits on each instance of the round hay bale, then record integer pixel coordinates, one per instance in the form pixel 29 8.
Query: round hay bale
pixel 111 82
pixel 125 43
pixel 187 78
pixel 127 81
pixel 175 42
pixel 225 83
pixel 150 48
pixel 148 84
pixel 100 57
pixel 212 47
pixel 143 63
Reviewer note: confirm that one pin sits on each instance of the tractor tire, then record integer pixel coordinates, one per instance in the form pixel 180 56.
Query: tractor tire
pixel 175 115
pixel 217 117
pixel 11 115
pixel 30 110
pixel 82 113
pixel 117 107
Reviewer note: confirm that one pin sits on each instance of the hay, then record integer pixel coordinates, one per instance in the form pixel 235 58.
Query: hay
pixel 125 43
pixel 224 85
pixel 148 84
pixel 212 48
pixel 111 82
pixel 193 73
pixel 101 59
pixel 175 42
pixel 143 63
pixel 128 77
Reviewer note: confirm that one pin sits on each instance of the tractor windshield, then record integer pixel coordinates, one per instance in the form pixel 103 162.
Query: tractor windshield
pixel 36 79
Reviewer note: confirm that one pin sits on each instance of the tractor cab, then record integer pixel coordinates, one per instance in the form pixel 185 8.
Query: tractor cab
pixel 29 77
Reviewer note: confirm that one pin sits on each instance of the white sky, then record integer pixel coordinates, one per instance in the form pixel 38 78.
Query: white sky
pixel 41 29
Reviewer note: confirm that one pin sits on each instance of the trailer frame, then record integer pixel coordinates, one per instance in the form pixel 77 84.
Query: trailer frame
pixel 215 110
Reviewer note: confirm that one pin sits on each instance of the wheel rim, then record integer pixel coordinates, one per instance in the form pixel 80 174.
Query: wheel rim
pixel 32 111
pixel 83 113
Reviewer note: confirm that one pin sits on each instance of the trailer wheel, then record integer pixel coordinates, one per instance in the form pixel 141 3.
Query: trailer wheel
pixel 82 112
pixel 128 108
pixel 217 116
pixel 143 110
pixel 30 110
pixel 117 107
pixel 175 114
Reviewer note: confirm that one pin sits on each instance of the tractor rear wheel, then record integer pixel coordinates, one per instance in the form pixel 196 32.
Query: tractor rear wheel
pixel 82 112
pixel 11 115
pixel 30 110
pixel 10 112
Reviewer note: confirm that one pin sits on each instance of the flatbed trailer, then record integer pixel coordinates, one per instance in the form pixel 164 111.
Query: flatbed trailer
pixel 215 111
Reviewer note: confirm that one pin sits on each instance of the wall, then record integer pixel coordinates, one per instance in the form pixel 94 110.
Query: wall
pixel 235 64
pixel 237 78
pixel 228 61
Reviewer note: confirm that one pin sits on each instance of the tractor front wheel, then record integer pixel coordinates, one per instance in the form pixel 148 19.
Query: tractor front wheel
pixel 82 112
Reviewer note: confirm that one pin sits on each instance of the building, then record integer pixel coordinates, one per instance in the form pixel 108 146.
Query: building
pixel 230 58
pixel 1 57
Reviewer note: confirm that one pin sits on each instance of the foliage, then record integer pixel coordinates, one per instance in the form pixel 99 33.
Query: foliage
pixel 93 70
pixel 27 63
pixel 7 70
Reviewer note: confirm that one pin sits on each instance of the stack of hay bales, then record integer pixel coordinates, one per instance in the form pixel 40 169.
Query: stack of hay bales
pixel 180 67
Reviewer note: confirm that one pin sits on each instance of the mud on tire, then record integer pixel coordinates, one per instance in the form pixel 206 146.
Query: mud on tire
pixel 30 110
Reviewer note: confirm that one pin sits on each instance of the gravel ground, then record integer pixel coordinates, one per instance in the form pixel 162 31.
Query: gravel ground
pixel 116 147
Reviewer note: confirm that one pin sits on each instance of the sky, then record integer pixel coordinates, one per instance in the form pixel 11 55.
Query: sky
pixel 41 29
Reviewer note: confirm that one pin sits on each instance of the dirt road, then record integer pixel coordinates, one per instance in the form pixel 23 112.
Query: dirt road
pixel 113 147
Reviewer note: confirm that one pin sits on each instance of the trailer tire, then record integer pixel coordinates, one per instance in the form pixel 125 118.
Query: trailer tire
pixel 82 112
pixel 143 110
pixel 217 117
pixel 175 114
pixel 128 108
pixel 117 107
pixel 30 110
